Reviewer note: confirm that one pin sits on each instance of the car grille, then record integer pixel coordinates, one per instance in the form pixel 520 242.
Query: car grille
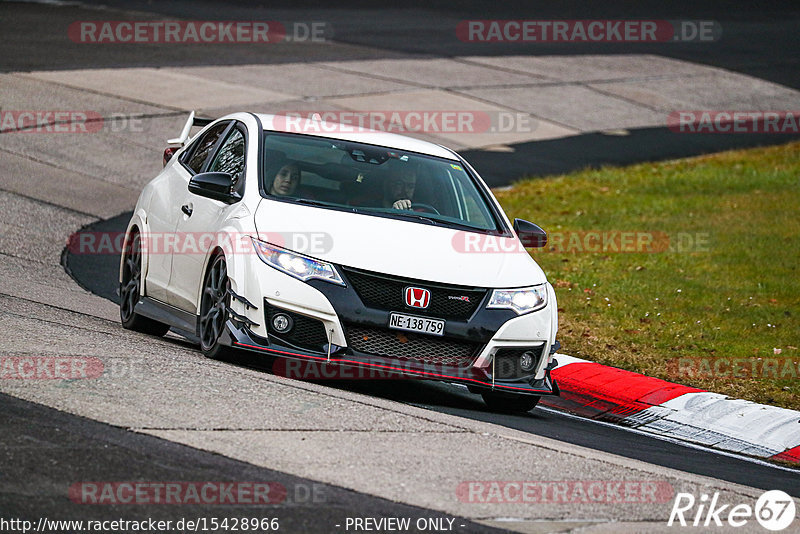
pixel 506 362
pixel 388 293
pixel 306 333
pixel 408 346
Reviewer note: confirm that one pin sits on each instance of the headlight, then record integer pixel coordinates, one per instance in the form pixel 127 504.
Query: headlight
pixel 522 300
pixel 294 264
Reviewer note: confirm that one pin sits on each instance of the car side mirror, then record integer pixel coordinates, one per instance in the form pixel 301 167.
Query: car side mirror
pixel 214 185
pixel 531 235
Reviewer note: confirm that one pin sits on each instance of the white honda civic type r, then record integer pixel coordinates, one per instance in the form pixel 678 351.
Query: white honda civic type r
pixel 324 245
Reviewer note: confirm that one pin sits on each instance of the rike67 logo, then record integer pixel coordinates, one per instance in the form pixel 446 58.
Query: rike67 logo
pixel 774 510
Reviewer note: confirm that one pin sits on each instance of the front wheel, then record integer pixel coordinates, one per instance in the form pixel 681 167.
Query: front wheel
pixel 214 309
pixel 509 402
pixel 129 292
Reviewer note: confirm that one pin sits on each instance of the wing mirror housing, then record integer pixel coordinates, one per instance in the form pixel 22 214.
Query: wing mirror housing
pixel 214 185
pixel 531 235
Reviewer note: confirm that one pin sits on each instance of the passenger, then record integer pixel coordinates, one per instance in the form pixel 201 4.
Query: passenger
pixel 286 180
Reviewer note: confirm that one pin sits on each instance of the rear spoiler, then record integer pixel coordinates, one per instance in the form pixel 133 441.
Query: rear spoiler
pixel 192 121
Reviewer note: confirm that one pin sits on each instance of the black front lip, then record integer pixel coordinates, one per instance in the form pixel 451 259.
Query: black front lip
pixel 243 338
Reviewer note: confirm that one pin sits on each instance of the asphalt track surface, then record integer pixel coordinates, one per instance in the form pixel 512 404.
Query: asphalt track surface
pixel 759 41
pixel 43 447
pixel 66 443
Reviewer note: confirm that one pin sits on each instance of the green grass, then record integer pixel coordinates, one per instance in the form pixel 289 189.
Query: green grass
pixel 735 296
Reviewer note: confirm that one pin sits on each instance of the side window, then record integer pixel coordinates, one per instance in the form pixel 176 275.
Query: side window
pixel 203 146
pixel 230 157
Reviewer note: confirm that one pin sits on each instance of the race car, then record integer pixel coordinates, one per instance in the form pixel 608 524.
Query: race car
pixel 340 249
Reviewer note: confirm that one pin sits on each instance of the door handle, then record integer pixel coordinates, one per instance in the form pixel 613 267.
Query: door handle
pixel 187 209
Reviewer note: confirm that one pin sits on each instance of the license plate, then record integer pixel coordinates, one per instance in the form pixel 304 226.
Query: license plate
pixel 412 323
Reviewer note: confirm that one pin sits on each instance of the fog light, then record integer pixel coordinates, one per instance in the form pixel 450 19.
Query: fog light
pixel 526 361
pixel 282 323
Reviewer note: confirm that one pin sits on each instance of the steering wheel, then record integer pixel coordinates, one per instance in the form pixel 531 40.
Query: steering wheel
pixel 419 206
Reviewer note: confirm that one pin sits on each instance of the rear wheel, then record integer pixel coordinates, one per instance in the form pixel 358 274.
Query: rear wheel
pixel 214 309
pixel 129 292
pixel 509 402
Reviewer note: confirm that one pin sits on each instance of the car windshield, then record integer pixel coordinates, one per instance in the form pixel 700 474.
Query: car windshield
pixel 374 180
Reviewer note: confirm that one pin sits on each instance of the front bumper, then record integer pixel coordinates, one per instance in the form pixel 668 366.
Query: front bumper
pixel 349 326
pixel 340 365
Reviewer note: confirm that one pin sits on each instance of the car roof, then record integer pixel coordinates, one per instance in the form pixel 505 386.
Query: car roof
pixel 307 126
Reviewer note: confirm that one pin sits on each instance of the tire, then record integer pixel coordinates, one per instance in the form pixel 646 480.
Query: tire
pixel 214 305
pixel 509 402
pixel 129 292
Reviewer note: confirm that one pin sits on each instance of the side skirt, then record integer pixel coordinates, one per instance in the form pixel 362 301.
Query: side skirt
pixel 164 313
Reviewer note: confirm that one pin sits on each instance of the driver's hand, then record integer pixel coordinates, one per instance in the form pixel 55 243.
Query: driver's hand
pixel 403 204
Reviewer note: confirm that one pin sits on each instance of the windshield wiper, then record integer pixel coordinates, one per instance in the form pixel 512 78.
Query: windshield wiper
pixel 311 202
pixel 322 204
pixel 444 223
pixel 467 227
pixel 413 217
pixel 389 213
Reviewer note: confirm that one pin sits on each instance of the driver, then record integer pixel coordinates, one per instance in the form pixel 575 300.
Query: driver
pixel 399 190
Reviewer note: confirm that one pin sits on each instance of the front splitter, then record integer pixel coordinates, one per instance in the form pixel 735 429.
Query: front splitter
pixel 381 367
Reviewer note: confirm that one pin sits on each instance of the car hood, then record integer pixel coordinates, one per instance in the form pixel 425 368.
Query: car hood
pixel 397 247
